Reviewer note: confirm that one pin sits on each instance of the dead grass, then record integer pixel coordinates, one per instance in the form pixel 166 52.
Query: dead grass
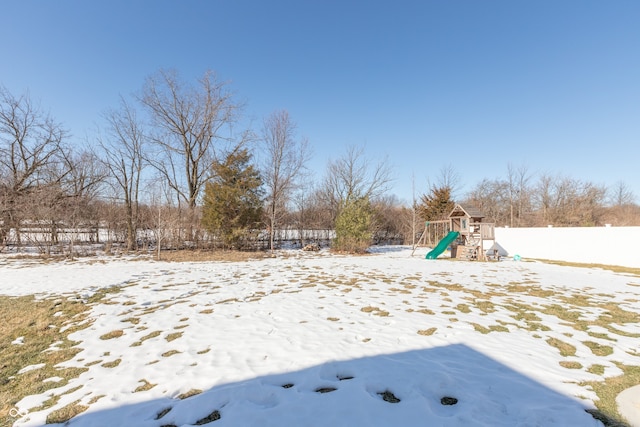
pixel 565 349
pixel 146 385
pixel 485 306
pixel 146 337
pixel 609 389
pixel 598 349
pixel 38 322
pixel 427 332
pixel 564 313
pixel 375 310
pixel 132 320
pixel 572 309
pixel 64 414
pixel 111 364
pixel 213 255
pixel 491 328
pixel 570 365
pixel 113 334
pixel 192 392
pixel 463 308
pixel 173 336
pixel 614 268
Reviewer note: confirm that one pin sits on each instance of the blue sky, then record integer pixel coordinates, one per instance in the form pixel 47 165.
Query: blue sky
pixel 552 85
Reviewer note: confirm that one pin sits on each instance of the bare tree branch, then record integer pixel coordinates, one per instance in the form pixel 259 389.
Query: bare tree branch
pixel 285 159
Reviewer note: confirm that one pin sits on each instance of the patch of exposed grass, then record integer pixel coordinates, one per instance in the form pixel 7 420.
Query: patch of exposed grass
pixel 113 334
pixel 609 389
pixel 146 385
pixel 96 398
pixel 427 332
pixel 111 364
pixel 213 255
pixel 600 335
pixel 55 398
pixel 36 325
pixel 536 326
pixel 400 291
pixel 146 337
pixel 492 328
pixel 596 369
pixel 565 349
pixel 170 353
pixel 576 299
pixel 333 319
pixel 615 314
pixel 563 313
pixel 375 310
pixel 388 396
pixel 463 308
pixel 522 312
pixel 163 412
pixel 598 349
pixel 526 288
pixel 485 306
pixel 617 331
pixel 173 336
pixel 65 413
pixel 214 416
pixel 570 364
pixel 188 394
pixel 614 268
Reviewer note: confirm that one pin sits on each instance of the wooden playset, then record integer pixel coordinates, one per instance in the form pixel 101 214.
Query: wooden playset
pixel 464 232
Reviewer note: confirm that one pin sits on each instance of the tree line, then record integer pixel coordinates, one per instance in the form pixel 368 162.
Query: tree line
pixel 525 199
pixel 173 167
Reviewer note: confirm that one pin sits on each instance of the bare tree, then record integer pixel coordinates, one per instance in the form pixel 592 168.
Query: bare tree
pixel 621 194
pixel 448 178
pixel 284 163
pixel 492 198
pixel 123 152
pixel 570 202
pixel 622 209
pixel 389 221
pixel 84 173
pixel 194 124
pixel 519 194
pixel 542 198
pixel 30 155
pixel 353 176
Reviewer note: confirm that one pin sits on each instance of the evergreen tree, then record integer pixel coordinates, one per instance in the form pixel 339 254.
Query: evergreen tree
pixel 233 200
pixel 436 205
pixel 353 225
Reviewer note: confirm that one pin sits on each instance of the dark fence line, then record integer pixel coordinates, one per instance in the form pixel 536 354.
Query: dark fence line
pixel 84 239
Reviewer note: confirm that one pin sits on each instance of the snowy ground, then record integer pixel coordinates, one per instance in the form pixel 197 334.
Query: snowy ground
pixel 325 340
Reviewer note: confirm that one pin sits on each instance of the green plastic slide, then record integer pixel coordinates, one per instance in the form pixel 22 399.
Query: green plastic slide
pixel 442 245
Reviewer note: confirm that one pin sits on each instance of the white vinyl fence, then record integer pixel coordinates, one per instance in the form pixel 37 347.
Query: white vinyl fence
pixel 602 245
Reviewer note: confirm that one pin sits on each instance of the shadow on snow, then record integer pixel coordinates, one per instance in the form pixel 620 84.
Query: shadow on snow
pixel 453 385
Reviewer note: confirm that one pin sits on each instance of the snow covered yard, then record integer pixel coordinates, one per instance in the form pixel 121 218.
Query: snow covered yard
pixel 314 339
